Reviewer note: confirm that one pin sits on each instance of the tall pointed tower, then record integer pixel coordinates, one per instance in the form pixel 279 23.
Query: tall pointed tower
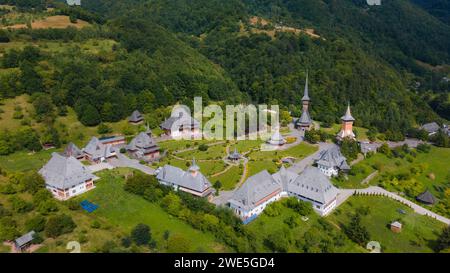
pixel 306 99
pixel 347 125
pixel 304 122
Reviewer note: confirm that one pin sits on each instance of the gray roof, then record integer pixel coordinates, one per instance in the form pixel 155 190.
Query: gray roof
pixel 177 176
pixel 311 184
pixel 314 185
pixel 369 146
pixel 348 115
pixel 277 138
pixel 431 127
pixel 96 149
pixel 306 93
pixel 305 119
pixel 72 150
pixel 25 239
pixel 426 197
pixel 136 116
pixel 255 189
pixel 235 154
pixel 144 143
pixel 396 224
pixel 65 172
pixel 331 158
pixel 182 119
pixel 111 139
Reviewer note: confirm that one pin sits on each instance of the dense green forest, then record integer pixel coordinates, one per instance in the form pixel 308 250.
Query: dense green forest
pixel 388 61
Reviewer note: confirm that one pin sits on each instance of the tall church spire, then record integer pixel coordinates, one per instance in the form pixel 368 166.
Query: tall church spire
pixel 306 93
pixel 348 115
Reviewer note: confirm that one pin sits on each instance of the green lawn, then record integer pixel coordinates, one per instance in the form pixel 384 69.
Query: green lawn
pixel 264 160
pixel 418 231
pixel 213 152
pixel 126 210
pixel 228 179
pixel 25 161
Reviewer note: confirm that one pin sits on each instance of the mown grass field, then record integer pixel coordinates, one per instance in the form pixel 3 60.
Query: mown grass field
pixel 418 231
pixel 126 210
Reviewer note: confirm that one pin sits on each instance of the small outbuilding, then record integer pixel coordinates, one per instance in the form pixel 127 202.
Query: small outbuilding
pixel 136 117
pixel 24 242
pixel 426 197
pixel 396 227
pixel 234 156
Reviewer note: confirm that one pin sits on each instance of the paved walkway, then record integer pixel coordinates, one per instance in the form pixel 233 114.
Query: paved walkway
pixel 100 166
pixel 124 161
pixel 374 190
pixel 369 177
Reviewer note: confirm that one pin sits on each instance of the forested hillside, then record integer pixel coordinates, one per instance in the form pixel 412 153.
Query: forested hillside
pixel 388 61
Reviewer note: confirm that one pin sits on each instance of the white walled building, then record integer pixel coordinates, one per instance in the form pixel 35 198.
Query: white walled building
pixel 331 161
pixel 262 189
pixel 66 177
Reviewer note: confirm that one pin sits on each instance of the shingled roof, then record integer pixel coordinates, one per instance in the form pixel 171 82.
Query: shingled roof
pixel 431 127
pixel 277 138
pixel 144 143
pixel 25 239
pixel 72 150
pixel 182 118
pixel 136 116
pixel 65 172
pixel 304 119
pixel 255 189
pixel 331 158
pixel 426 197
pixel 348 115
pixel 96 149
pixel 314 185
pixel 311 184
pixel 306 92
pixel 177 176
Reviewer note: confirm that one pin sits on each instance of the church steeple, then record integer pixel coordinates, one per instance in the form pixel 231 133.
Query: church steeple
pixel 348 114
pixel 347 125
pixel 306 92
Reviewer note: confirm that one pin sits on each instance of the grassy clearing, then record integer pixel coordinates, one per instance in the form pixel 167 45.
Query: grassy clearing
pixel 91 46
pixel 126 210
pixel 229 179
pixel 418 231
pixel 270 160
pixel 40 21
pixel 25 161
pixel 435 162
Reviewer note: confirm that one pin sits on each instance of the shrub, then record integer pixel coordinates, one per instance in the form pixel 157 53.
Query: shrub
pixel 141 234
pixel 58 225
pixel 36 223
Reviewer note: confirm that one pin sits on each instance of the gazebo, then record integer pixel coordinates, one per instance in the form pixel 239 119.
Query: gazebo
pixel 234 156
pixel 426 197
pixel 277 139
